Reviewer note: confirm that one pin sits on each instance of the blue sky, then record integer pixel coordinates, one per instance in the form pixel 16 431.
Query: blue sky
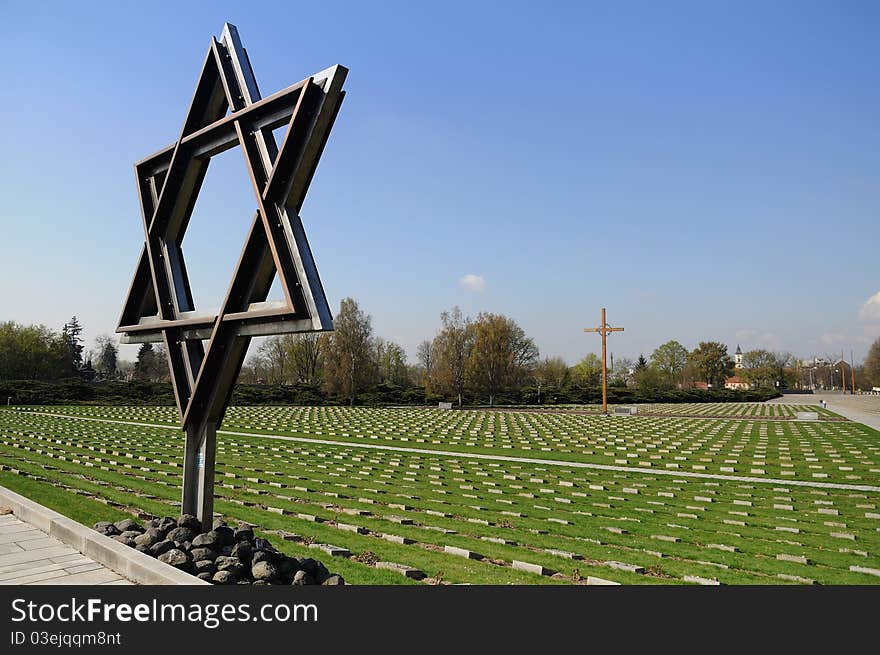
pixel 703 170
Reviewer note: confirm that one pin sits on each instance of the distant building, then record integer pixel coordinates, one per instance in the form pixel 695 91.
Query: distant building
pixel 737 383
pixel 842 368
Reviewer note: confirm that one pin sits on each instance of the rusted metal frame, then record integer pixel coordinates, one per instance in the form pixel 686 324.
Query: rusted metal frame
pixel 148 194
pixel 200 443
pixel 267 114
pixel 295 142
pixel 168 184
pixel 333 96
pixel 156 166
pixel 273 219
pixel 242 69
pixel 319 308
pixel 226 349
pixel 141 298
pixel 192 349
pixel 251 283
pixel 271 188
pixel 246 83
pixel 224 344
pixel 295 191
pixel 248 327
pixel 214 374
pixel 165 225
pixel 296 227
pixel 154 250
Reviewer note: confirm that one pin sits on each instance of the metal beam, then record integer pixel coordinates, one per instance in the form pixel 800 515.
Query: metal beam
pixel 206 350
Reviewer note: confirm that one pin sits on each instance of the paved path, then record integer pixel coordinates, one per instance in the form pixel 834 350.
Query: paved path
pixel 863 408
pixel 500 458
pixel 30 556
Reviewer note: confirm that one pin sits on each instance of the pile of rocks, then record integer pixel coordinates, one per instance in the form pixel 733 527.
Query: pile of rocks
pixel 223 555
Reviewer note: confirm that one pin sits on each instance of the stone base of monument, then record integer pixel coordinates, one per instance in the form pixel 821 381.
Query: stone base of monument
pixel 223 555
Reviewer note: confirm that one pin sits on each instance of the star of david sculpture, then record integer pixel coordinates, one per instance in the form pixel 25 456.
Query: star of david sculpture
pixel 206 350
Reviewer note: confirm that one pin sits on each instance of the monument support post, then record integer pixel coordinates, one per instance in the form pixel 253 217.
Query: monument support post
pixel 198 473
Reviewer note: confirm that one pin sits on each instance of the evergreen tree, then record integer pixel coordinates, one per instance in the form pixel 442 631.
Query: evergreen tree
pixel 107 354
pixel 147 367
pixel 71 336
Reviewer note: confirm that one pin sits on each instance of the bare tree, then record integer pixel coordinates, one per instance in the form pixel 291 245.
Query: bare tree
pixel 425 357
pixel 274 358
pixel 623 372
pixel 550 373
pixel 872 364
pixel 502 355
pixel 452 349
pixel 347 362
pixel 306 355
pixel 390 362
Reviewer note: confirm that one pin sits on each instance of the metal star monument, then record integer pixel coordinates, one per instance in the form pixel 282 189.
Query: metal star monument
pixel 206 351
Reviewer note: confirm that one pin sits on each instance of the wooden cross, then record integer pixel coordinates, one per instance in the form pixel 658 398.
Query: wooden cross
pixel 604 329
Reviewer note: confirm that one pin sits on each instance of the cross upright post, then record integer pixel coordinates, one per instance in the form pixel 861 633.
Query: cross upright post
pixel 852 374
pixel 604 329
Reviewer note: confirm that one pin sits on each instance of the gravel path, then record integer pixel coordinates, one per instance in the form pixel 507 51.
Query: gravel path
pixel 863 408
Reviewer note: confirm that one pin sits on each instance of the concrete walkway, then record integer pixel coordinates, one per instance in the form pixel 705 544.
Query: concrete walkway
pixel 30 556
pixel 863 408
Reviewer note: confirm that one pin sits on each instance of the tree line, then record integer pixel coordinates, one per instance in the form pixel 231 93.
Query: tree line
pixel 486 356
pixel 485 359
pixel 490 358
pixel 35 352
pixel 38 353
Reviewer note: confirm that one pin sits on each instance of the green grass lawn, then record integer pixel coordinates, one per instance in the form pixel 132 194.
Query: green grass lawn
pixel 576 521
pixel 812 451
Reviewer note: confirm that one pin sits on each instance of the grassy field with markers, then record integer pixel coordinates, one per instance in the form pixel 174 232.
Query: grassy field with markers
pixel 734 494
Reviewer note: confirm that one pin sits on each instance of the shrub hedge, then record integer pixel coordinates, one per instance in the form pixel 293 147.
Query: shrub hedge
pixel 79 392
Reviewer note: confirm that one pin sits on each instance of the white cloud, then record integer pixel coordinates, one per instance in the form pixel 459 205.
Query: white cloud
pixel 745 334
pixel 870 311
pixel 473 282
